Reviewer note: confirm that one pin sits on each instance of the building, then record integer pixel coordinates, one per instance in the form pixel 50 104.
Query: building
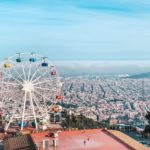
pixel 23 142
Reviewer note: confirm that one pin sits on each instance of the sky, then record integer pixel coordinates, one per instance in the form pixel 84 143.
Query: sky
pixel 91 30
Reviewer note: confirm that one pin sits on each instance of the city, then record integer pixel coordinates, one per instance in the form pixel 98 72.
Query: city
pixel 74 75
pixel 119 100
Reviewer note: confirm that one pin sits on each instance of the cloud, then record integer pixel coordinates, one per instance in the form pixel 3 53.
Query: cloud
pixel 116 6
pixel 101 67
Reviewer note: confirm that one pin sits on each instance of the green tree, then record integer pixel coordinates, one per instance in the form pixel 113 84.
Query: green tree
pixel 80 122
pixel 147 127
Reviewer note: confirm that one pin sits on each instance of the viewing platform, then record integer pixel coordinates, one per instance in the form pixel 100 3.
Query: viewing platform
pixel 95 139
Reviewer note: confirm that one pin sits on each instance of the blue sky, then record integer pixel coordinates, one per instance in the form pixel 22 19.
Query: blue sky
pixel 76 29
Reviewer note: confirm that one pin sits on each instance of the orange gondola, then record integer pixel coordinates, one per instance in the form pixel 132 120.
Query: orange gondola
pixel 55 108
pixel 7 65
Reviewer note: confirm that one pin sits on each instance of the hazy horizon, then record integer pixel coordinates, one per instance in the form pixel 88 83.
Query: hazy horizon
pixel 101 67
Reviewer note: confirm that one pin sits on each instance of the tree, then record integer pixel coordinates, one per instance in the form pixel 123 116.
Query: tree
pixel 80 122
pixel 147 127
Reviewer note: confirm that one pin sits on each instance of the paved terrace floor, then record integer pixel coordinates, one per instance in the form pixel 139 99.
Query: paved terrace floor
pixel 96 139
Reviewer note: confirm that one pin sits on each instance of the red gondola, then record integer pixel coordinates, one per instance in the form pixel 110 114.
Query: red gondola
pixel 59 97
pixel 53 73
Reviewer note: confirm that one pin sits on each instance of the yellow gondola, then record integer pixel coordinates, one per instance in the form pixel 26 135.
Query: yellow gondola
pixel 7 65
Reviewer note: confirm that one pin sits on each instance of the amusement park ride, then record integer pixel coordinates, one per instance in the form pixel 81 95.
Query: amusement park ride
pixel 28 83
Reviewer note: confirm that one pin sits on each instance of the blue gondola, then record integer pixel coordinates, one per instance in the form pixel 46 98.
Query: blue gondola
pixel 32 59
pixel 44 64
pixel 18 60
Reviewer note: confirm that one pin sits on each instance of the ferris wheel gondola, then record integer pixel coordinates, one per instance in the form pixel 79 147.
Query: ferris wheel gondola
pixel 7 64
pixel 18 60
pixel 32 58
pixel 44 63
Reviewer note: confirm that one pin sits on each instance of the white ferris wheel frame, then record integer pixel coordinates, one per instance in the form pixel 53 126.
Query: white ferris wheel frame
pixel 31 83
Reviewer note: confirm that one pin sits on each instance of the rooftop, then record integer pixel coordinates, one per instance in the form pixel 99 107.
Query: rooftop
pixel 90 139
pixel 23 142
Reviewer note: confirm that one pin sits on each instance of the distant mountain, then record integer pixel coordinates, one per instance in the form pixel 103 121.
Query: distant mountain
pixel 140 76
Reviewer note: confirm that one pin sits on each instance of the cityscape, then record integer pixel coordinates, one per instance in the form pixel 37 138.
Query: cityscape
pixel 35 97
pixel 119 100
pixel 74 75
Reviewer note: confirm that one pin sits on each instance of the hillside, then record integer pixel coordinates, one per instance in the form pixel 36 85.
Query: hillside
pixel 140 76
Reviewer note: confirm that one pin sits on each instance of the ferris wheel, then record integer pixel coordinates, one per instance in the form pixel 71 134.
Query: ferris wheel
pixel 28 82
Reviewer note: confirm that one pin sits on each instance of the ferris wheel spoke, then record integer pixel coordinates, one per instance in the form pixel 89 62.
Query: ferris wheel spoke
pixel 9 122
pixel 9 83
pixel 23 71
pixel 33 109
pixel 44 101
pixel 40 76
pixel 29 72
pixel 43 88
pixel 38 105
pixel 45 81
pixel 23 111
pixel 8 92
pixel 13 94
pixel 15 103
pixel 37 70
pixel 17 73
pixel 9 75
pixel 43 96
pixel 5 91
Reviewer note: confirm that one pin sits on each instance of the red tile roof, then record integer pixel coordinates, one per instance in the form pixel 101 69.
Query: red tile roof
pixel 23 142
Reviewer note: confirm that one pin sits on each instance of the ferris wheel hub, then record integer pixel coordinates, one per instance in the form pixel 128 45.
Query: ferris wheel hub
pixel 28 86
